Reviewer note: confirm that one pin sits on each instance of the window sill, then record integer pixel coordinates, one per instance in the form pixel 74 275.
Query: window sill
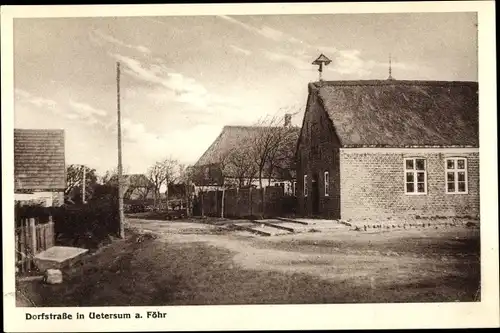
pixel 416 193
pixel 457 193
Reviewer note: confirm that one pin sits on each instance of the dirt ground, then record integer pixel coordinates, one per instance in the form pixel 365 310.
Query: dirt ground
pixel 188 262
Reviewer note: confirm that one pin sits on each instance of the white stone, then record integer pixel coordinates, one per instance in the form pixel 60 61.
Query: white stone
pixel 57 257
pixel 53 276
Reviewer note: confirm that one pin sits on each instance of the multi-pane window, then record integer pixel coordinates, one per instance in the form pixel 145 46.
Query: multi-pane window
pixel 305 185
pixel 456 175
pixel 415 176
pixel 327 184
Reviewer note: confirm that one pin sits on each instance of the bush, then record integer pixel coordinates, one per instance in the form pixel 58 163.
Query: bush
pixel 88 225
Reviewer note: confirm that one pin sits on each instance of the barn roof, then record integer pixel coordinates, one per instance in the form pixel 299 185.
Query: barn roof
pixel 39 162
pixel 393 113
pixel 232 137
pixel 138 180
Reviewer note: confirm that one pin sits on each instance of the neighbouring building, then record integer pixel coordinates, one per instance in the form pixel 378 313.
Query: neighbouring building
pixel 386 148
pixel 39 166
pixel 137 187
pixel 227 161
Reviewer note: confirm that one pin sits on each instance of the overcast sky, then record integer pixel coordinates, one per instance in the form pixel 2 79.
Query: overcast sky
pixel 184 78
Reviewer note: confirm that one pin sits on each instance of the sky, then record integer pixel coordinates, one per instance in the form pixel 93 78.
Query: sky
pixel 184 78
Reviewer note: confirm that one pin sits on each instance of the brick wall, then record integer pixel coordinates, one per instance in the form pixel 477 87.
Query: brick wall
pixel 318 152
pixel 372 185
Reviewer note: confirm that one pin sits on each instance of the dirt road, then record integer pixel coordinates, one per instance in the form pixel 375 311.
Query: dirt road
pixel 335 252
pixel 196 263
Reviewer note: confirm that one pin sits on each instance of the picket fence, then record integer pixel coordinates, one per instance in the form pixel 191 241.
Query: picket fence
pixel 32 238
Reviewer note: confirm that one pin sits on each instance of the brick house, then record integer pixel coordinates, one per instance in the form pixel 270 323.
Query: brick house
pixel 389 148
pixel 39 166
pixel 216 167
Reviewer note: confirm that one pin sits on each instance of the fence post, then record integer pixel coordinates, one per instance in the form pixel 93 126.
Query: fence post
pixel 250 200
pixel 17 248
pixel 27 249
pixel 216 201
pixel 222 204
pixel 238 210
pixel 23 247
pixel 33 236
pixel 202 204
pixel 264 201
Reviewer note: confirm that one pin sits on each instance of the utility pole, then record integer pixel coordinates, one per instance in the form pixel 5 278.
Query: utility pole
pixel 120 168
pixel 83 184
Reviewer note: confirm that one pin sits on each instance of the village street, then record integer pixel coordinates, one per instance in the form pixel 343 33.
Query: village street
pixel 207 262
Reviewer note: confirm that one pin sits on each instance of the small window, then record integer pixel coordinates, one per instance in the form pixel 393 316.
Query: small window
pixel 456 175
pixel 305 185
pixel 415 176
pixel 327 184
pixel 294 189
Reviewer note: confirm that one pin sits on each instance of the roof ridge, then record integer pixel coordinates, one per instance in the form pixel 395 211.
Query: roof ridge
pixel 40 129
pixel 318 84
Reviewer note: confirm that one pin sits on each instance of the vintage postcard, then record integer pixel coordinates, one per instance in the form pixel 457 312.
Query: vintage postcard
pixel 249 166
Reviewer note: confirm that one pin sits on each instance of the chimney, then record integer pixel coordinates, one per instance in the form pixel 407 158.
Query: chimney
pixel 288 120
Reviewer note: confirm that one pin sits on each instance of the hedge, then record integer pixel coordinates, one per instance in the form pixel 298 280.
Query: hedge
pixel 84 225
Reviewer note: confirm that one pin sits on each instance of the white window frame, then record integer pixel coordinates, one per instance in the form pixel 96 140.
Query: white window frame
pixel 415 173
pixel 305 186
pixel 455 171
pixel 326 183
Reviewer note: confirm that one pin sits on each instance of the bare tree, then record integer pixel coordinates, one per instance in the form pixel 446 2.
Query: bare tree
pixel 186 176
pixel 138 184
pixel 273 147
pixel 282 152
pixel 162 173
pixel 241 165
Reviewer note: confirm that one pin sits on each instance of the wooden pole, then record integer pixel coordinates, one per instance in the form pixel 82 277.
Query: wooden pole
pixel 202 203
pixel 120 168
pixel 222 204
pixel 83 184
pixel 33 237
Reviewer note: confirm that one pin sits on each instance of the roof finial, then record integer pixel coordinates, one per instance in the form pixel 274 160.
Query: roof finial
pixel 390 68
pixel 322 59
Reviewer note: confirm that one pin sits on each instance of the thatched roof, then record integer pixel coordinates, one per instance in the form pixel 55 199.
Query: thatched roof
pixel 392 113
pixel 236 137
pixel 137 180
pixel 233 137
pixel 39 162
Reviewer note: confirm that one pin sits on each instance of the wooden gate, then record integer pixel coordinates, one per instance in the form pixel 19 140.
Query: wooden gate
pixel 32 238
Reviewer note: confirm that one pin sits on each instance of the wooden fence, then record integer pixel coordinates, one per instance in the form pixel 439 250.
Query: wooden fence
pixel 32 238
pixel 268 202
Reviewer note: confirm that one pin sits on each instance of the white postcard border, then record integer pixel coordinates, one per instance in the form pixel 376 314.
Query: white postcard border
pixel 279 317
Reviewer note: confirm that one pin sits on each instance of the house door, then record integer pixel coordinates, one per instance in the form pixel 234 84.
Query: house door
pixel 315 195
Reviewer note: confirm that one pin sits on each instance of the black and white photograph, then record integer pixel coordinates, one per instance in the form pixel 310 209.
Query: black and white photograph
pixel 159 159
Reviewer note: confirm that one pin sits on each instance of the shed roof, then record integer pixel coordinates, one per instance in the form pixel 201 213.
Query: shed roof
pixel 393 113
pixel 39 159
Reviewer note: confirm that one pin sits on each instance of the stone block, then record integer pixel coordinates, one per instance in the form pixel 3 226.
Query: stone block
pixel 58 257
pixel 53 276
